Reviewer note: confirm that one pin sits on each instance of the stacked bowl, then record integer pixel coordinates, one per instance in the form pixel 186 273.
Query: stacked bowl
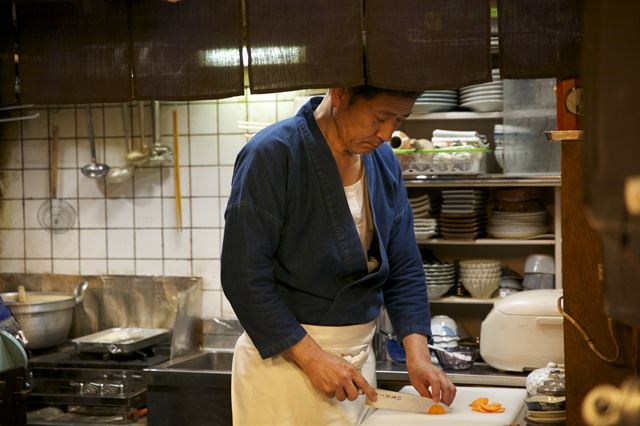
pixel 480 277
pixel 444 331
pixel 440 277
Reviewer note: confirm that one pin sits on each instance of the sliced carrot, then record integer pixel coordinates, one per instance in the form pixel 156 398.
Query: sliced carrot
pixel 481 405
pixel 436 409
pixel 480 401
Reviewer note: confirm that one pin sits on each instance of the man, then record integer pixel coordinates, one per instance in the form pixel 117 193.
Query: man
pixel 318 235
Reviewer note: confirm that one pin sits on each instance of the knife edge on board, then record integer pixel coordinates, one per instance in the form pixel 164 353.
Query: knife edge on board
pixel 401 401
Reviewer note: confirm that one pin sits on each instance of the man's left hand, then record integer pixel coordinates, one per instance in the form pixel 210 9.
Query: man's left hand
pixel 423 374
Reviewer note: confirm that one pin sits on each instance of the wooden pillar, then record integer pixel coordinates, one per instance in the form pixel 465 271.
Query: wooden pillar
pixel 582 282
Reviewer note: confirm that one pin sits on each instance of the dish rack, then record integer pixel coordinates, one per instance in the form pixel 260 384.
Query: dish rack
pixel 466 161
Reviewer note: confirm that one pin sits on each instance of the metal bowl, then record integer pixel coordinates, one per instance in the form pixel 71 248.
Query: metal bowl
pixel 45 317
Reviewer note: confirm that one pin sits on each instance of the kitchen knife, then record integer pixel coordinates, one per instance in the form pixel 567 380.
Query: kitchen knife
pixel 404 402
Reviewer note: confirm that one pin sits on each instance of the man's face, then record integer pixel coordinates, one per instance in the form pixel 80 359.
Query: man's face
pixel 368 123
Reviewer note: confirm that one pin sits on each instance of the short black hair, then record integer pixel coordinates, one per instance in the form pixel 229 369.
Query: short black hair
pixel 367 92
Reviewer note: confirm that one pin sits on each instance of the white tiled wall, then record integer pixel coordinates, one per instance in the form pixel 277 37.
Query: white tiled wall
pixel 127 228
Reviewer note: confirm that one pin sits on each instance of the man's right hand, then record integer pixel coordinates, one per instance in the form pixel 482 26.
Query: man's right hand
pixel 330 374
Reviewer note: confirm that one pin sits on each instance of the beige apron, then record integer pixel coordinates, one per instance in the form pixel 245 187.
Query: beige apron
pixel 275 391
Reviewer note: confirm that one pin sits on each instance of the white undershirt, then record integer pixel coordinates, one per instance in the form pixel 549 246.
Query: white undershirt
pixel 355 199
pixel 357 196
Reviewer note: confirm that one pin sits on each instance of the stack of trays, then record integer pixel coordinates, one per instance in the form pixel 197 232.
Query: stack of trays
pixel 436 100
pixel 440 277
pixel 463 213
pixel 483 97
pixel 424 223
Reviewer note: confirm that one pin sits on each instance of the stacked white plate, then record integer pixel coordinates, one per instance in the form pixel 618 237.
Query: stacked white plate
pixel 425 228
pixel 436 100
pixel 424 223
pixel 485 97
pixel 518 225
pixel 463 213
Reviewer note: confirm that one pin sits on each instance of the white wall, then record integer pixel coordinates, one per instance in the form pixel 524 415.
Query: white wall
pixel 128 228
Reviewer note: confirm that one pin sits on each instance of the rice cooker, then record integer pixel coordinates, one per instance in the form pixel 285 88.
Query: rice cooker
pixel 523 331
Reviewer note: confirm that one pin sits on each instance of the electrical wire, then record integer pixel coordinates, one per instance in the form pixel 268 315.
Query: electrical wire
pixel 588 339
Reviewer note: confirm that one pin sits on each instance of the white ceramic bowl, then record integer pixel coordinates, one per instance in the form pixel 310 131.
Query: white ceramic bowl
pixel 436 291
pixel 540 264
pixel 443 325
pixel 479 288
pixel 480 264
pixel 481 275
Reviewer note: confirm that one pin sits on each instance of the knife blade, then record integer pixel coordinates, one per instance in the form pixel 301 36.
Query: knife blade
pixel 404 402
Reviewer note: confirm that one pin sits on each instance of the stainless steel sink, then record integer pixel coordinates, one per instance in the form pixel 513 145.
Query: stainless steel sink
pixel 216 361
pixel 194 387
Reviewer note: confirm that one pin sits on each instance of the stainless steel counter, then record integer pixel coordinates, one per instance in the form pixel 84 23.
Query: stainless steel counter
pixel 480 374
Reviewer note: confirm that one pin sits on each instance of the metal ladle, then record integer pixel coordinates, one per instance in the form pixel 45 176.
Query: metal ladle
pixel 93 170
pixel 122 174
pixel 139 157
pixel 159 152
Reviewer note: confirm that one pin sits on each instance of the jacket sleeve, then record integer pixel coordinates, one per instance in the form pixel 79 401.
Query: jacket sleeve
pixel 253 220
pixel 405 291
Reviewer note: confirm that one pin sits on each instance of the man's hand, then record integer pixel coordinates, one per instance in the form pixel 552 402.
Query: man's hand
pixel 329 373
pixel 423 374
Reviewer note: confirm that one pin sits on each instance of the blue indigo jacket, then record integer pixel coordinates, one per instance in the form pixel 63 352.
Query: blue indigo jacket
pixel 291 253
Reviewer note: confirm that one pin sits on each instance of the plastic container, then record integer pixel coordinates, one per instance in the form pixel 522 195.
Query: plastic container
pixel 468 161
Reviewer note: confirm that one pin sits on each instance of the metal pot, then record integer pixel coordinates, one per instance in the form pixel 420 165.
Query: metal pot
pixel 45 316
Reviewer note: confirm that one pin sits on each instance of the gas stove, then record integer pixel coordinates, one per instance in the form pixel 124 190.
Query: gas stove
pixel 90 385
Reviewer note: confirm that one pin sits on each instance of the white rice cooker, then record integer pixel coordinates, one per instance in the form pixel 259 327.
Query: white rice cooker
pixel 523 331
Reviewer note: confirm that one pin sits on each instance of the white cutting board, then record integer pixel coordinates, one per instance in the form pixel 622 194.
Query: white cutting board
pixel 461 415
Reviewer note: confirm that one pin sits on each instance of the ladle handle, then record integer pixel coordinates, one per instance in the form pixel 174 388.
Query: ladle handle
pixel 141 118
pixel 55 140
pixel 156 122
pixel 125 126
pixel 92 142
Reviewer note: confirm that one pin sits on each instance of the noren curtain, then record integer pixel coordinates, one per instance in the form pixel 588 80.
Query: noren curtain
pixel 187 50
pixel 540 38
pixel 7 66
pixel 428 44
pixel 74 51
pixel 295 44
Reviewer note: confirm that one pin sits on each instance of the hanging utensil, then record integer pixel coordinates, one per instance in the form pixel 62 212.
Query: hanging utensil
pixel 55 215
pixel 141 155
pixel 176 170
pixel 122 174
pixel 17 108
pixel 93 170
pixel 159 152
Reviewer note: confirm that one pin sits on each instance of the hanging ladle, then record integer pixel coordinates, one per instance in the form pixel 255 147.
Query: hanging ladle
pixel 93 170
pixel 122 174
pixel 159 152
pixel 139 157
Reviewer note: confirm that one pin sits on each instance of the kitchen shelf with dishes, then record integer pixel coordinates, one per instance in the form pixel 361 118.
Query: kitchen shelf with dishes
pixel 463 210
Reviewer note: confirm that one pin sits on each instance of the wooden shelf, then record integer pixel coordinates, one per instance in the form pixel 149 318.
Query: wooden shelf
pixel 455 115
pixel 484 242
pixel 489 180
pixel 469 300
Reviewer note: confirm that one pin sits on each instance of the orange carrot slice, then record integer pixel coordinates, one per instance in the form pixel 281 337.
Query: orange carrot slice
pixel 436 409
